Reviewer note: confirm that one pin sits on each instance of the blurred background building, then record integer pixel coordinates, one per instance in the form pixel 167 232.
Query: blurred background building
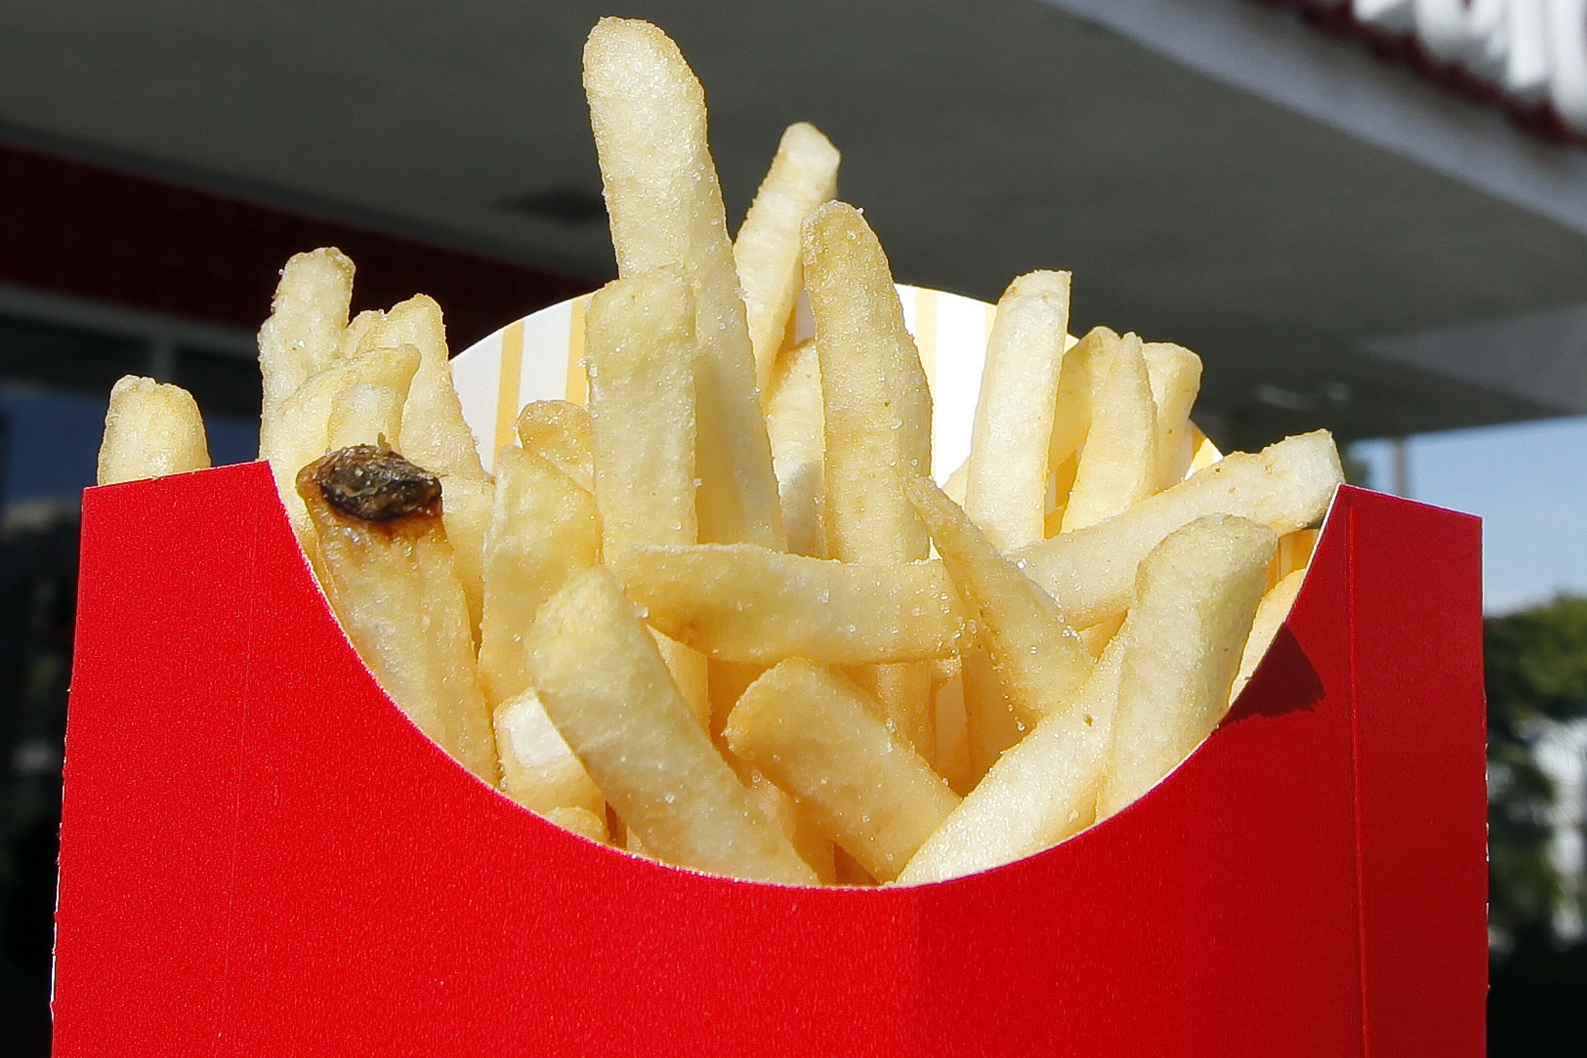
pixel 1369 215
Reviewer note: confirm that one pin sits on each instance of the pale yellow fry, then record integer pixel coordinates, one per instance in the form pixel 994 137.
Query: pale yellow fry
pixel 819 737
pixel 543 529
pixel 1037 794
pixel 581 821
pixel 904 689
pixel 1175 374
pixel 665 206
pixel 466 512
pixel 302 422
pixel 640 351
pixel 957 484
pixel 365 413
pixel 876 402
pixel 304 332
pixel 877 418
pixel 991 724
pixel 1195 597
pixel 1118 466
pixel 1270 615
pixel 559 431
pixel 767 252
pixel 640 355
pixel 151 429
pixel 1039 659
pixel 538 770
pixel 796 824
pixel 744 603
pixel 1084 367
pixel 1006 487
pixel 608 692
pixel 395 589
pixel 434 433
pixel 1091 572
pixel 795 423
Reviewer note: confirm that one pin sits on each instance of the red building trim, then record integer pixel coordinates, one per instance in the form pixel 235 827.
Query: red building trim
pixel 76 229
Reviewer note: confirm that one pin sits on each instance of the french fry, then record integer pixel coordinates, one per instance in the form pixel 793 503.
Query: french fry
pixel 151 429
pixel 1091 572
pixel 796 425
pixel 608 692
pixel 1195 596
pixel 538 770
pixel 387 568
pixel 766 252
pixel 304 333
pixel 543 530
pixel 1175 374
pixel 1118 466
pixel 1270 614
pixel 1006 481
pixel 1035 795
pixel 1084 367
pixel 301 426
pixel 738 602
pixel 640 352
pixel 559 431
pixel 365 413
pixel 877 415
pixel 665 205
pixel 641 355
pixel 1039 659
pixel 580 821
pixel 819 737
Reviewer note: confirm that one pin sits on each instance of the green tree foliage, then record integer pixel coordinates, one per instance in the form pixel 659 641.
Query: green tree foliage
pixel 1536 678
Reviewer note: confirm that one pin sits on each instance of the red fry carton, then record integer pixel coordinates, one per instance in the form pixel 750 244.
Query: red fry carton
pixel 261 855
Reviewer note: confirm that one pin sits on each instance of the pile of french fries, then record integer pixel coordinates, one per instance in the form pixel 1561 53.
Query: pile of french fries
pixel 723 616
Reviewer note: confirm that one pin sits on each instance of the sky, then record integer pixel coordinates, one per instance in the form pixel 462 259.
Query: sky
pixel 1527 482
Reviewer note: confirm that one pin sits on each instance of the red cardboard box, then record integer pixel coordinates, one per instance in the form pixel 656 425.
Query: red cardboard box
pixel 261 855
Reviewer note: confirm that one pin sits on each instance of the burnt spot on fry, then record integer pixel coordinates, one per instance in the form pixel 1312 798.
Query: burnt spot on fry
pixel 372 483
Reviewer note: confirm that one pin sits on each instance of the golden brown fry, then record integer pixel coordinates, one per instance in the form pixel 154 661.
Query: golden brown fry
pixel 743 603
pixel 665 205
pixel 1194 601
pixel 151 429
pixel 819 737
pixel 1039 660
pixel 1091 572
pixel 608 692
pixel 767 253
pixel 1118 466
pixel 1006 483
pixel 543 529
pixel 559 431
pixel 387 569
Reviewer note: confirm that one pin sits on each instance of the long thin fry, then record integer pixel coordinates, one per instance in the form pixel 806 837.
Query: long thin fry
pixel 1006 483
pixel 304 332
pixel 1175 374
pixel 1195 597
pixel 743 603
pixel 819 737
pixel 796 425
pixel 1040 661
pixel 877 409
pixel 767 253
pixel 648 114
pixel 1091 572
pixel 605 687
pixel 387 568
pixel 1118 466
